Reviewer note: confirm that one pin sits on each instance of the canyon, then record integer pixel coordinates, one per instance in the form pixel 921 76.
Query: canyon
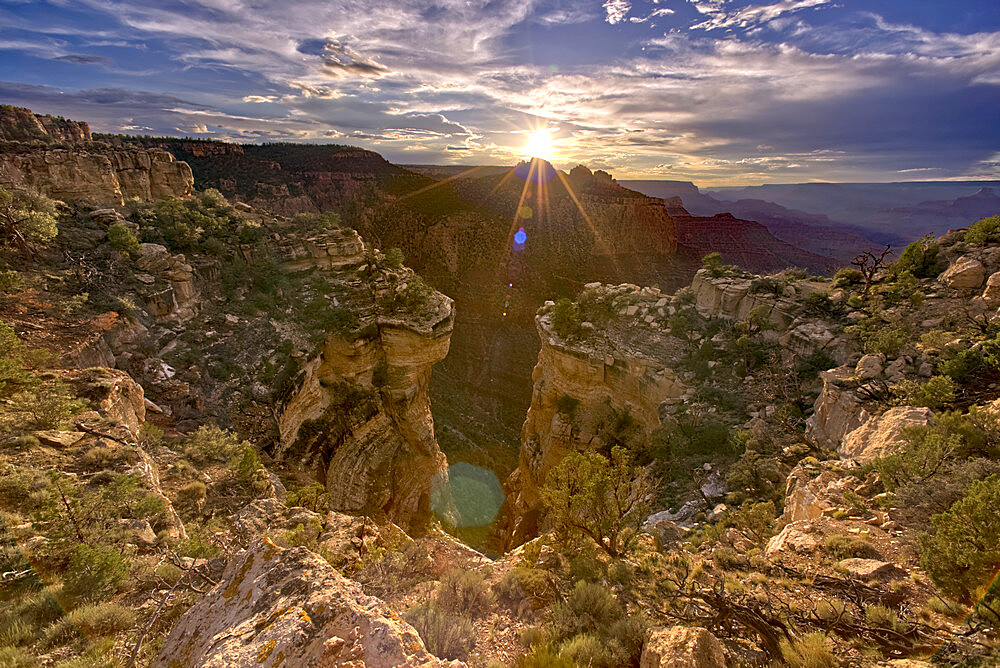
pixel 250 404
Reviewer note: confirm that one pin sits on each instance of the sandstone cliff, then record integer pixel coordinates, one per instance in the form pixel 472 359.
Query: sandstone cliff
pixel 579 385
pixel 361 416
pixel 58 158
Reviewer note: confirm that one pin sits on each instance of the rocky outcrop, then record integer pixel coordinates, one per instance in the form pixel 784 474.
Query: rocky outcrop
pixel 965 273
pixel 113 394
pixel 94 173
pixel 171 292
pixel 361 415
pixel 881 435
pixel 59 158
pixel 733 297
pixel 277 607
pixel 991 293
pixel 682 647
pixel 594 380
pixel 19 124
pixel 837 410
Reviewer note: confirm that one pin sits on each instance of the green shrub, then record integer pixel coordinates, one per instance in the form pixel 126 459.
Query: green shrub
pixel 28 220
pixel 966 366
pixel 192 495
pixel 590 608
pixel 565 318
pixel 94 573
pixel 101 619
pixel 313 496
pixel 846 547
pixel 887 340
pixel 962 556
pixel 813 650
pixel 885 618
pixel 920 259
pixel 983 231
pixel 544 656
pixel 15 657
pixel 394 258
pixel 445 635
pixel 833 610
pixel 122 240
pixel 936 393
pixel 248 464
pixel 586 650
pixel 712 263
pixel 465 592
pixel 209 443
pixel 846 276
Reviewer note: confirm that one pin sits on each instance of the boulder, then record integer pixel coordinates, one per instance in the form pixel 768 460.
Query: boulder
pixel 872 569
pixel 795 537
pixel 59 439
pixel 991 294
pixel 275 607
pixel 882 434
pixel 965 273
pixel 837 410
pixel 682 647
pixel 808 494
pixel 870 366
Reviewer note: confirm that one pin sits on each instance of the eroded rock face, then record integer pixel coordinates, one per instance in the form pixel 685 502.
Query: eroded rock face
pixel 375 445
pixel 175 296
pixel 991 293
pixel 277 607
pixel 837 410
pixel 19 124
pixel 682 647
pixel 598 381
pixel 58 158
pixel 881 435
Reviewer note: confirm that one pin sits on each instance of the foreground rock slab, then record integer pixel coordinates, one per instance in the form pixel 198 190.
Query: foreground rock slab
pixel 289 607
pixel 682 647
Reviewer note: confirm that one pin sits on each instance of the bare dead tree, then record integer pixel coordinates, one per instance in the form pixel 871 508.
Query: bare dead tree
pixel 870 264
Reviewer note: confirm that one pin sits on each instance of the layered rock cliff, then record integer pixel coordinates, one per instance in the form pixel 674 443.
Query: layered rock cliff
pixel 361 416
pixel 58 158
pixel 581 385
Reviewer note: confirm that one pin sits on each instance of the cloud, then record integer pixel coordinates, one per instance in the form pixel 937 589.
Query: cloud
pixel 748 16
pixel 341 60
pixel 756 90
pixel 616 10
pixel 81 59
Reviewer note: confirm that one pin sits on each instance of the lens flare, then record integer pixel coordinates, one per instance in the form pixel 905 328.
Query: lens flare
pixel 539 145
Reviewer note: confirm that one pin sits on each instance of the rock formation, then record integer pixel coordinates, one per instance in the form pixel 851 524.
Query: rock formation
pixel 370 432
pixel 682 647
pixel 595 377
pixel 58 158
pixel 289 607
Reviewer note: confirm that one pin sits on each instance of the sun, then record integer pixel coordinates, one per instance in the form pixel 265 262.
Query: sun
pixel 539 145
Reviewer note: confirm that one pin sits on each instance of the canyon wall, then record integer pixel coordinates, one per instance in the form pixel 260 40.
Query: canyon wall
pixel 58 158
pixel 361 418
pixel 579 386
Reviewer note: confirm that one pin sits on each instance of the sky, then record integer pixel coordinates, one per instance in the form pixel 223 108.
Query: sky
pixel 719 92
